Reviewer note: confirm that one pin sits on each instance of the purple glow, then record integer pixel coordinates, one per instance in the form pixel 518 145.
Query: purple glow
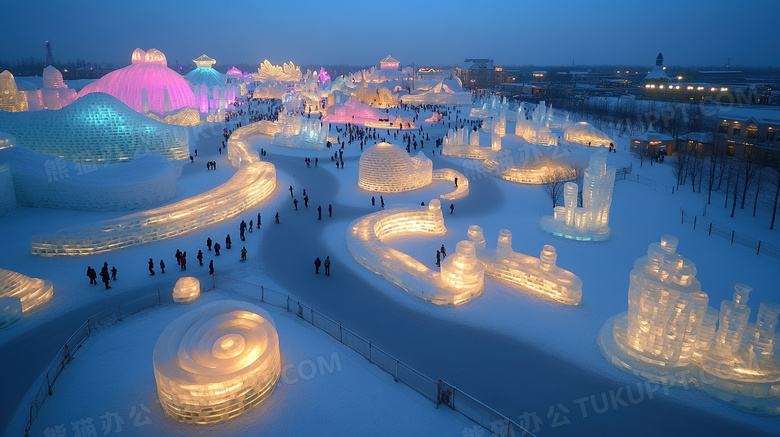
pixel 148 72
pixel 324 76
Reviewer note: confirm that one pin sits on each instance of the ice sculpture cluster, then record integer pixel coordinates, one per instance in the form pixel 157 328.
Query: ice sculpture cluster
pixel 587 135
pixel 254 182
pixel 525 171
pixel 387 168
pixel 352 111
pixel 187 289
pixel 95 129
pixel 376 96
pixel 45 181
pixel 216 362
pixel 669 334
pixel 537 276
pixel 268 72
pixel 11 99
pixel 7 193
pixel 491 107
pixel 212 90
pixel 31 292
pixel 300 132
pixel 461 278
pixel 146 85
pixel 441 94
pixel 535 128
pixel 10 311
pixel 448 174
pixel 464 143
pixel 377 75
pixel 591 221
pixel 183 117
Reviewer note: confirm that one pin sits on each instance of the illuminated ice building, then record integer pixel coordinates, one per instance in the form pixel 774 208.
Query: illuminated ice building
pixel 670 335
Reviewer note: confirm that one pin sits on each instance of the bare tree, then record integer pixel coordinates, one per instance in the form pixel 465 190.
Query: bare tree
pixel 774 175
pixel 640 153
pixel 680 164
pixel 749 166
pixel 552 184
pixel 716 155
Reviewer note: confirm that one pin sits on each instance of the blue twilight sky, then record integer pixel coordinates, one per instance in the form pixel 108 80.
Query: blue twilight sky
pixel 538 32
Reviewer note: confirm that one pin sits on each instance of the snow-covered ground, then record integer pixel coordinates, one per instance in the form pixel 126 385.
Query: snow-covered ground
pixel 524 356
pixel 110 387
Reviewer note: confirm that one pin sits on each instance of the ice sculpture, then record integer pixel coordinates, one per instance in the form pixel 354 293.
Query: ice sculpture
pixel 441 94
pixel 95 129
pixel 528 171
pixel 287 72
pixel 32 292
pixel 10 311
pixel 591 221
pixel 460 281
pixel 46 181
pixel 376 96
pixel 254 182
pixel 387 168
pixel 535 129
pixel 186 289
pixel 7 194
pixel 216 362
pixel 300 132
pixel 538 276
pixel 55 93
pixel 668 334
pixel 183 117
pixel 212 90
pixel 491 107
pixel 587 135
pixel 447 174
pixel 11 99
pixel 146 85
pixel 352 111
pixel 464 143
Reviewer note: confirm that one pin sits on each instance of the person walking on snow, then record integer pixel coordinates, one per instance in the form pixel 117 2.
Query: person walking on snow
pixel 373 201
pixel 317 264
pixel 295 204
pixel 105 276
pixel 243 253
pixel 443 252
pixel 258 220
pixel 216 249
pixel 184 261
pixel 200 257
pixel 306 201
pixel 438 259
pixel 228 242
pixel 113 273
pixel 382 201
pixel 208 243
pixel 452 207
pixel 92 275
pixel 211 267
pixel 250 226
pixel 327 265
pixel 178 257
pixel 162 265
pixel 330 210
pixel 291 195
pixel 319 212
pixel 277 217
pixel 151 268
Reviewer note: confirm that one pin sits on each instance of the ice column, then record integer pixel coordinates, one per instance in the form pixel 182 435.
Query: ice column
pixel 733 320
pixel 462 270
pixel 763 336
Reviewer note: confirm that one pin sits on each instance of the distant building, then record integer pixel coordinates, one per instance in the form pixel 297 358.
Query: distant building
pixel 389 63
pixel 722 86
pixel 478 74
pixel 745 131
pixel 660 144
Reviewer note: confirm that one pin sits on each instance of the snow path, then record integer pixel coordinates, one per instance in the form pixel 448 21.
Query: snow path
pixel 420 341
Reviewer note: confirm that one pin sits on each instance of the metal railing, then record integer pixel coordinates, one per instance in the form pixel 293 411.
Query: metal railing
pixel 73 344
pixel 706 225
pixel 655 185
pixel 437 391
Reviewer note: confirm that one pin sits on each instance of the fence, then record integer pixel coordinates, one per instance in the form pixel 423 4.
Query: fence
pixel 439 392
pixel 703 224
pixel 69 349
pixel 655 185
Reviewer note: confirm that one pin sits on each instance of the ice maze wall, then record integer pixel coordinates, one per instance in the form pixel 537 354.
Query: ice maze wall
pixel 537 172
pixel 464 143
pixel 591 221
pixel 95 129
pixel 669 334
pixel 45 181
pixel 30 293
pixel 254 182
pixel 216 362
pixel 536 276
pixel 386 168
pixel 448 174
pixel 461 278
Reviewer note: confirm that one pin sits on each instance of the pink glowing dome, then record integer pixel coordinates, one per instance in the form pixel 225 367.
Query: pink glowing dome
pixel 148 72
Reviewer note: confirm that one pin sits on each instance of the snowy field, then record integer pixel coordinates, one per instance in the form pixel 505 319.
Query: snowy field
pixel 532 360
pixel 110 385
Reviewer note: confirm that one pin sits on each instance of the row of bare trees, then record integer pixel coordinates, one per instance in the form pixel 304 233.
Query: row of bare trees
pixel 752 175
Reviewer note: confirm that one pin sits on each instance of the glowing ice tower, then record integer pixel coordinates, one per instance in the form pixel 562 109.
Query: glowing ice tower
pixel 668 334
pixel 591 221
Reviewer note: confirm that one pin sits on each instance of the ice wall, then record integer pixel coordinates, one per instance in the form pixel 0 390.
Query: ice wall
pixel 216 362
pixel 448 174
pixel 10 311
pixel 464 143
pixel 253 183
pixel 300 132
pixel 457 284
pixel 537 276
pixel 591 221
pixel 95 129
pixel 31 292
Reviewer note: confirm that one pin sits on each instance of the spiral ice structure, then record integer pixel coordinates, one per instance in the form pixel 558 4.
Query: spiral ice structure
pixel 216 362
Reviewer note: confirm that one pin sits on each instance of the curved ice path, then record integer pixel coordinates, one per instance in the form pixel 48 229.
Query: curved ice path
pixel 254 182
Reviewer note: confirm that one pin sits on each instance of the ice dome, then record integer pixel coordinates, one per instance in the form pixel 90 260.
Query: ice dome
pixel 148 79
pixel 387 168
pixel 52 78
pixel 206 76
pixel 587 135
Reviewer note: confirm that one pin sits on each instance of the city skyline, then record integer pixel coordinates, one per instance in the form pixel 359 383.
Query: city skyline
pixel 562 32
